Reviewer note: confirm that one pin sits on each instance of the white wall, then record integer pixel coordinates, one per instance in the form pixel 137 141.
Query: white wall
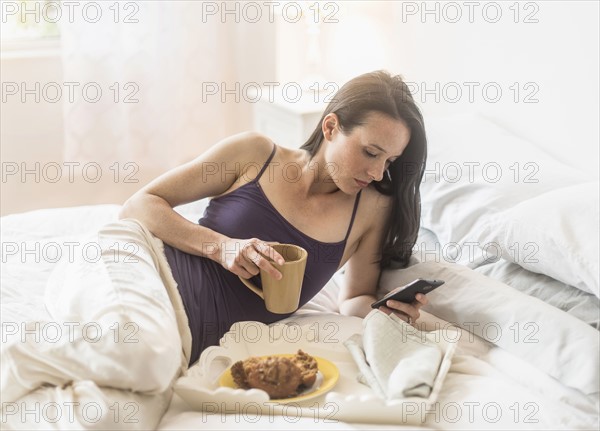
pixel 31 131
pixel 557 56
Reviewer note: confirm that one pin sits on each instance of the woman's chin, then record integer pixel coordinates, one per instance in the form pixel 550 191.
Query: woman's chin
pixel 350 188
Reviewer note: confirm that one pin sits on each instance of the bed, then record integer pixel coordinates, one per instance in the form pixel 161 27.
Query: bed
pixel 511 229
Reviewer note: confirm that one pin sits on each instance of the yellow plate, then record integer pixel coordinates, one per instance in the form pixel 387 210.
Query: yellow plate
pixel 326 379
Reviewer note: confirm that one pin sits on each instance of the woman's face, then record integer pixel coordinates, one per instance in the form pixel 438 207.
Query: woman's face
pixel 362 156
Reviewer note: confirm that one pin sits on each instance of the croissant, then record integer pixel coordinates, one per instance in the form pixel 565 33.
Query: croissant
pixel 279 377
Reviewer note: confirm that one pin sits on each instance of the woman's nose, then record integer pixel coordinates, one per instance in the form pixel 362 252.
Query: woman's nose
pixel 377 172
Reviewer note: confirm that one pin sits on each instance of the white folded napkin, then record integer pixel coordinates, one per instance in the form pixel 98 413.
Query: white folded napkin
pixel 395 359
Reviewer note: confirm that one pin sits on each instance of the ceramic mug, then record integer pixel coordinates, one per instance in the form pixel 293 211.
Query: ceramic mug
pixel 282 296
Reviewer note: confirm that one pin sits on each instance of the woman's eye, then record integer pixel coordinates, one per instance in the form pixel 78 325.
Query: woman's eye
pixel 389 162
pixel 369 154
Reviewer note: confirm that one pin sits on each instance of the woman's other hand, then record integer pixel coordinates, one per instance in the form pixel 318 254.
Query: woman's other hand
pixel 407 312
pixel 245 257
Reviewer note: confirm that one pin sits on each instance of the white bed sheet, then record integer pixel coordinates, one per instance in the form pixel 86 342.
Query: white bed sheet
pixel 487 387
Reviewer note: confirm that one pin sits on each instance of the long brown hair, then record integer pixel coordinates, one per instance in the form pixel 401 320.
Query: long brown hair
pixel 381 92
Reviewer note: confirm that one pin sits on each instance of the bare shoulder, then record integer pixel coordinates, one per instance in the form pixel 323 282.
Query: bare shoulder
pixel 376 208
pixel 213 172
pixel 372 217
pixel 378 203
pixel 248 147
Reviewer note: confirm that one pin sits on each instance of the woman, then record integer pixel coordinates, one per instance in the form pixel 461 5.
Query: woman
pixel 349 195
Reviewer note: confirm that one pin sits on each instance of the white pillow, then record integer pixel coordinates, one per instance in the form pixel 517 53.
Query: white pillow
pixel 476 169
pixel 551 340
pixel 194 210
pixel 556 234
pixel 326 301
pixel 582 305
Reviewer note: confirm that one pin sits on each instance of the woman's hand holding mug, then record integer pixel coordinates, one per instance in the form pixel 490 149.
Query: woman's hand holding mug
pixel 244 257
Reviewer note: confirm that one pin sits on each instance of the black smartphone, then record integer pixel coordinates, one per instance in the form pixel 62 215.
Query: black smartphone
pixel 408 292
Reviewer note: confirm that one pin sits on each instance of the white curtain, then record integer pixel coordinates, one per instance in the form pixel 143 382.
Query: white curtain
pixel 159 65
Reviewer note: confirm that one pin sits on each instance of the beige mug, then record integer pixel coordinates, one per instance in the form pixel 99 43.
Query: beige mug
pixel 282 296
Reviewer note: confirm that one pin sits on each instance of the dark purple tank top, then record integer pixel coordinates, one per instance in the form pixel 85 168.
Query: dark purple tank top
pixel 214 298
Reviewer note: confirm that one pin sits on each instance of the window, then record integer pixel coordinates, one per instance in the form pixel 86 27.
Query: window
pixel 27 20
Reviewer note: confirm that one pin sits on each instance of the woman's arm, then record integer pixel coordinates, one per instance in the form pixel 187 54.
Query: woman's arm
pixel 363 271
pixel 211 174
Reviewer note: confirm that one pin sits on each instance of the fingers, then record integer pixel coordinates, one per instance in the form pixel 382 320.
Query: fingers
pixel 421 300
pixel 243 267
pixel 267 250
pixel 402 315
pixel 255 253
pixel 404 308
pixel 243 272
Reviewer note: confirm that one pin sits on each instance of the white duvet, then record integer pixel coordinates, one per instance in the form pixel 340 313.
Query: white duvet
pixel 525 365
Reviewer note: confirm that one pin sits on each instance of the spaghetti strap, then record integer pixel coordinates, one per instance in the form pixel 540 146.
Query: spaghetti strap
pixel 255 180
pixel 353 214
